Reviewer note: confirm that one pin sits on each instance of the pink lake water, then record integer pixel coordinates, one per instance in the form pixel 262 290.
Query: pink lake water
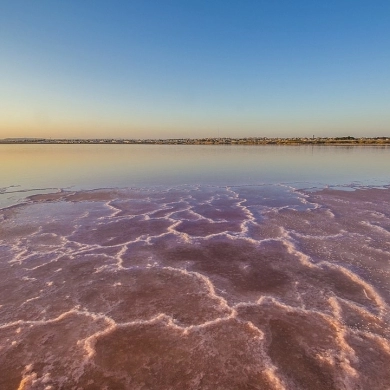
pixel 153 267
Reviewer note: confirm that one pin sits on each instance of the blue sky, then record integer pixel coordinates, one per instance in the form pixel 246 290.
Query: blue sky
pixel 194 68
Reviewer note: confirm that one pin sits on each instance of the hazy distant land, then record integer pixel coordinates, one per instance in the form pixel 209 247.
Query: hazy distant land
pixel 209 141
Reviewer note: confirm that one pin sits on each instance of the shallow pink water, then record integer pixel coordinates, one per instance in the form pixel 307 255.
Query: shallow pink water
pixel 196 288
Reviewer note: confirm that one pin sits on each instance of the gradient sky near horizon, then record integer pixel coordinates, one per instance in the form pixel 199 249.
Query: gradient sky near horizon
pixel 195 68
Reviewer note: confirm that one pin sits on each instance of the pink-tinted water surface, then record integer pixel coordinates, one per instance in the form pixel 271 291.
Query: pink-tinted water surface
pixel 196 287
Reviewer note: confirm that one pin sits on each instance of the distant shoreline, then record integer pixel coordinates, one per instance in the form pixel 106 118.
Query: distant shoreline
pixel 337 141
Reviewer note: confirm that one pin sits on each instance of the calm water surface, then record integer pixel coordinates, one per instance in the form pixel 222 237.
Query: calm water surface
pixel 28 167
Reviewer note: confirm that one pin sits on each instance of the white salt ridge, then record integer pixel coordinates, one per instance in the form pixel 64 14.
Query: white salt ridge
pixel 230 274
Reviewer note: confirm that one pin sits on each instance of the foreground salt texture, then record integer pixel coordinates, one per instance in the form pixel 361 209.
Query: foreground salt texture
pixel 259 287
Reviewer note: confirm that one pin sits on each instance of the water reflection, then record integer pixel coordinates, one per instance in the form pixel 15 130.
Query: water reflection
pixel 95 166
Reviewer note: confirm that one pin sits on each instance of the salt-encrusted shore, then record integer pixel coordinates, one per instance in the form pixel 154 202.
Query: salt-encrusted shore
pixel 261 287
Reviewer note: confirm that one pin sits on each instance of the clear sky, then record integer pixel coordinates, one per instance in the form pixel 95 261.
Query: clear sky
pixel 194 68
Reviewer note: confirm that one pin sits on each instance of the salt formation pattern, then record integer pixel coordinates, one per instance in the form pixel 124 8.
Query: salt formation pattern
pixel 254 287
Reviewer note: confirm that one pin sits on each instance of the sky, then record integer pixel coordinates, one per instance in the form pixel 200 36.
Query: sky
pixel 194 68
